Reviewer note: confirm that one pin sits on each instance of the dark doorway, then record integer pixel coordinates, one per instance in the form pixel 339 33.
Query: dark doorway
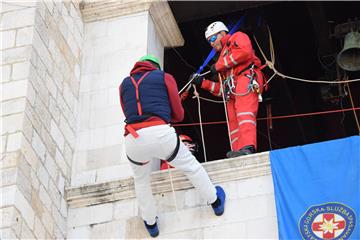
pixel 303 47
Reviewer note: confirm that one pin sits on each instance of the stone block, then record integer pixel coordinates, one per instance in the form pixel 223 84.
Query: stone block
pixel 44 198
pixel 69 97
pixel 107 116
pixel 226 231
pixel 20 70
pixel 8 176
pixel 10 159
pixel 40 25
pixel 7 214
pixel 13 106
pixel 90 215
pixel 10 218
pixel 39 229
pixel 23 185
pixel 113 230
pixel 81 232
pixel 67 131
pixel 7 233
pixel 191 199
pixel 255 186
pixel 68 154
pixel 41 48
pixel 48 140
pixel 61 184
pixel 97 138
pixel 14 142
pixel 24 167
pixel 63 208
pixel 18 54
pixel 57 135
pixel 74 84
pixel 8 39
pixel 43 175
pixel 24 36
pixel 189 234
pixel 246 209
pixel 60 161
pixel 54 195
pixel 38 146
pixel 54 110
pixel 31 94
pixel 5 72
pixel 51 167
pixel 14 89
pixel 268 228
pixel 51 86
pixel 35 181
pixel 124 209
pixel 27 128
pixel 59 220
pixel 36 204
pixel 26 233
pixel 48 221
pixel 105 174
pixel 11 20
pixel 8 194
pixel 3 143
pixel 83 178
pixel 25 209
pixel 29 154
pixel 58 234
pixel 42 92
pixel 12 123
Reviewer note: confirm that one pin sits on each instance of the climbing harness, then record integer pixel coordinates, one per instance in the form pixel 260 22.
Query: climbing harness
pixel 253 86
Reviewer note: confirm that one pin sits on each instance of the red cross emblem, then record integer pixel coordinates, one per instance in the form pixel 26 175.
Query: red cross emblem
pixel 328 225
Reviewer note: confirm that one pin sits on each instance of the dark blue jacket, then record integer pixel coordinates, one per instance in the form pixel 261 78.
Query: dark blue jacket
pixel 149 98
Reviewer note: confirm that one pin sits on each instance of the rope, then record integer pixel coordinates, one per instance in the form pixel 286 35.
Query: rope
pixel 225 109
pixel 188 83
pixel 201 128
pixel 173 190
pixel 352 104
pixel 209 100
pixel 271 65
pixel 274 117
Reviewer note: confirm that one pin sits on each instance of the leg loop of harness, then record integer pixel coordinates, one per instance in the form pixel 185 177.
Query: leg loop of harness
pixel 172 156
pixel 175 152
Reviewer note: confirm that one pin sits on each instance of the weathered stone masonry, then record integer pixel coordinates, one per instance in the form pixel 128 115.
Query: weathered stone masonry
pixel 41 61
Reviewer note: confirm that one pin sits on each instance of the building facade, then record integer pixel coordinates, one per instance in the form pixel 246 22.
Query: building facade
pixel 63 167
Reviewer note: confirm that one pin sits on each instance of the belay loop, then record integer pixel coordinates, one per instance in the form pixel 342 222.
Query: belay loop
pixel 253 86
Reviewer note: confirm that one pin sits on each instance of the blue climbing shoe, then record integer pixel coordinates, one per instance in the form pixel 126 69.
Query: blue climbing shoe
pixel 219 204
pixel 152 229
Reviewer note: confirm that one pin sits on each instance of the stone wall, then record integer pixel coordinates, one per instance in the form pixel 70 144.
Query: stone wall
pixel 110 210
pixel 41 62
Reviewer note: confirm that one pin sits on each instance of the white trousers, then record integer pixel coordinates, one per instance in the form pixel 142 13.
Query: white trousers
pixel 159 142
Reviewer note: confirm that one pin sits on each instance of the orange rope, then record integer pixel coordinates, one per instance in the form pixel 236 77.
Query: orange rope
pixel 353 107
pixel 274 117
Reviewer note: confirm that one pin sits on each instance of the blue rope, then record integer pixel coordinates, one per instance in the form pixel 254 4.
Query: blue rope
pixel 212 53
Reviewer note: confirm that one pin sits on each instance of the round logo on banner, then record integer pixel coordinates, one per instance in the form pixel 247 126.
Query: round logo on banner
pixel 328 221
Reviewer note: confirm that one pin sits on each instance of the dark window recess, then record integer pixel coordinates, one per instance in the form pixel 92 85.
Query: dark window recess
pixel 303 48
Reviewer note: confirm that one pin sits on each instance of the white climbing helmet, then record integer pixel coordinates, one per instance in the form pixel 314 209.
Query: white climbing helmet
pixel 215 27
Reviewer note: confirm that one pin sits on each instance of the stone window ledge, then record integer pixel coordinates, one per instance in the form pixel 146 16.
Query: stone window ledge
pixel 224 170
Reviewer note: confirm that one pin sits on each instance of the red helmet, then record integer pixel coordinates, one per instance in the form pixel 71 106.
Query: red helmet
pixel 189 143
pixel 185 138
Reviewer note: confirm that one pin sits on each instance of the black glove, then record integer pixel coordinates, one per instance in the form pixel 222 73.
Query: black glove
pixel 213 70
pixel 197 79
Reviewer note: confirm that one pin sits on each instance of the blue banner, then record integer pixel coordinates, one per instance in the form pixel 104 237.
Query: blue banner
pixel 317 190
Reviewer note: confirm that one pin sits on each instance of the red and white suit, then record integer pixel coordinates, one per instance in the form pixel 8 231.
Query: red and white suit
pixel 236 55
